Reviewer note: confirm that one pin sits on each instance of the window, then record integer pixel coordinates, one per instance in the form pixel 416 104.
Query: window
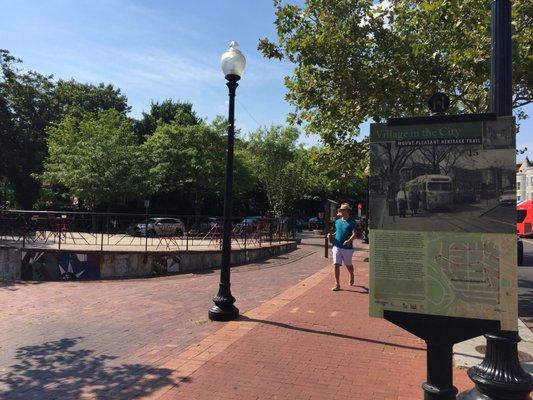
pixel 517 198
pixel 438 187
pixel 517 185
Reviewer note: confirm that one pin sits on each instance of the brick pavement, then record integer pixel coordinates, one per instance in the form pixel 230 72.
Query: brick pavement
pixel 308 343
pixel 64 339
pixel 149 339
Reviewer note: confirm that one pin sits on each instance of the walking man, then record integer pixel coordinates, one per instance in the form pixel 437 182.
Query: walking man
pixel 343 237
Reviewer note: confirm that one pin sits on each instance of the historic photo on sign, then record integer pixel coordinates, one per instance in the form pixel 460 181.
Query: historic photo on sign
pixel 456 184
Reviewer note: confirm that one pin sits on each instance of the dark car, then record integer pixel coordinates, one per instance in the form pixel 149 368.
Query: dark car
pixel 248 224
pixel 520 250
pixel 211 223
pixel 316 223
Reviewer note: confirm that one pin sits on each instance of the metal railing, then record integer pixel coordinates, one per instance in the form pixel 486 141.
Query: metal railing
pixel 84 231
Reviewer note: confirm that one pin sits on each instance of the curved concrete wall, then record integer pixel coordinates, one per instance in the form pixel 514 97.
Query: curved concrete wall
pixel 37 264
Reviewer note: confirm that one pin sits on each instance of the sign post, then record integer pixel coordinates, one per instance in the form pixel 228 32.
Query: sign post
pixel 443 256
pixel 330 214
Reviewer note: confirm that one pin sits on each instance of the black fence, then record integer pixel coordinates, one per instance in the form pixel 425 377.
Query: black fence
pixel 136 232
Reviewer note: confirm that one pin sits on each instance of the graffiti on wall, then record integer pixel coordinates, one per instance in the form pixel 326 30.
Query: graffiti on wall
pixel 165 264
pixel 53 266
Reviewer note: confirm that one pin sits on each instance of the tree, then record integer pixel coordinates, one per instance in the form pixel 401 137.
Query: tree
pixel 186 159
pixel 77 98
pixel 96 158
pixel 165 113
pixel 279 166
pixel 390 159
pixel 26 109
pixel 339 169
pixel 357 61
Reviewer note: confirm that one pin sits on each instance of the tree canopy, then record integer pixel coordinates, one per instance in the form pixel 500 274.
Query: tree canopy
pixel 66 138
pixel 356 60
pixel 165 112
pixel 26 109
pixel 94 157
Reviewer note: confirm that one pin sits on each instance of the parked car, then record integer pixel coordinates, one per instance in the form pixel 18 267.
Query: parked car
pixel 160 227
pixel 301 224
pixel 248 224
pixel 508 197
pixel 316 223
pixel 211 223
pixel 520 250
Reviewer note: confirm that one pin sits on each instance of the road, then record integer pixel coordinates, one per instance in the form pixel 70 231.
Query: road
pixel 525 285
pixel 483 216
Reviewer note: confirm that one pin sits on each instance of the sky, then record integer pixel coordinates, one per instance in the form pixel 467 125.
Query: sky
pixel 161 49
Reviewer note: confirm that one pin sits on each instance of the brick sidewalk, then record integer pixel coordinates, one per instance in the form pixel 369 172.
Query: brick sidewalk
pixel 307 343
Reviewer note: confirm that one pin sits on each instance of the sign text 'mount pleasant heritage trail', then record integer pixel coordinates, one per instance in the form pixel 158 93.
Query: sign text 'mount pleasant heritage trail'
pixel 443 236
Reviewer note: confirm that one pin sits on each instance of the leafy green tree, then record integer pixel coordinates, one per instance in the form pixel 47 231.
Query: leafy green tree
pixel 357 61
pixel 77 98
pixel 339 170
pixel 26 109
pixel 280 166
pixel 165 112
pixel 186 159
pixel 96 158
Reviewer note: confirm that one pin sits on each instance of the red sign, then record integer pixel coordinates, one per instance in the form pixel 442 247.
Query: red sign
pixel 360 206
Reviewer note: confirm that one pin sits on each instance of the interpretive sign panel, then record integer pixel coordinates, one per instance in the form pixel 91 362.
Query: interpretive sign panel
pixel 443 220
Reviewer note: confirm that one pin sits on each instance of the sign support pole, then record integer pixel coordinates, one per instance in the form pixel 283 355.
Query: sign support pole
pixel 500 375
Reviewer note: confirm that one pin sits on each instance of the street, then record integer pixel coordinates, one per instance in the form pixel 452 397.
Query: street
pixel 484 216
pixel 525 285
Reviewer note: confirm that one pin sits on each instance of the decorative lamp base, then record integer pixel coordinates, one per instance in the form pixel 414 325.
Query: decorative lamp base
pixel 223 312
pixel 500 375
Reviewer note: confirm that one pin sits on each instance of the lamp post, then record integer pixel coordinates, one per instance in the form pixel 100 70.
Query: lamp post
pixel 232 63
pixel 500 375
pixel 366 239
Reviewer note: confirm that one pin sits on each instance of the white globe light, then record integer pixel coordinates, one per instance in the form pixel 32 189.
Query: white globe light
pixel 233 61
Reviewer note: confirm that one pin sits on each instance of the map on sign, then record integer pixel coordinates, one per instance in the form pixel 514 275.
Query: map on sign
pixel 473 270
pixel 443 241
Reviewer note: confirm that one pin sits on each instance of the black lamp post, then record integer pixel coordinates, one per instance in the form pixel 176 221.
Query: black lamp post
pixel 500 376
pixel 232 63
pixel 366 239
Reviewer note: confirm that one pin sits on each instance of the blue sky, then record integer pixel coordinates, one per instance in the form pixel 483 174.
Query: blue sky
pixel 159 49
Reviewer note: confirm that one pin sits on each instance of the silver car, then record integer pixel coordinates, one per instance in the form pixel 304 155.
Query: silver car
pixel 161 227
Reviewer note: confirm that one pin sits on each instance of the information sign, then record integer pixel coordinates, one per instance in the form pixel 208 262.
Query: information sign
pixel 443 226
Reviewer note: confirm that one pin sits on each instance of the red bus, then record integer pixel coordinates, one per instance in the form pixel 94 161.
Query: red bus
pixel 524 215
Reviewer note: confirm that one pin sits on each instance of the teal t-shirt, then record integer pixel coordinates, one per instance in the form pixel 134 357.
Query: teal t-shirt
pixel 343 230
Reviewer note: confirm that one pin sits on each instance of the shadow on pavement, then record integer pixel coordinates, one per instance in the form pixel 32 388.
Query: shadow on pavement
pixel 61 370
pixel 339 335
pixel 365 290
pixel 14 285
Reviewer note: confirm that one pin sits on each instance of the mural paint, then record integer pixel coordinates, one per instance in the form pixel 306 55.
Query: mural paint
pixel 53 266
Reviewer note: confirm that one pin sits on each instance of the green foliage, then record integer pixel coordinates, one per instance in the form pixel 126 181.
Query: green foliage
pixel 26 109
pixel 279 165
pixel 75 98
pixel 340 169
pixel 355 60
pixel 95 157
pixel 187 159
pixel 165 113
pixel 31 102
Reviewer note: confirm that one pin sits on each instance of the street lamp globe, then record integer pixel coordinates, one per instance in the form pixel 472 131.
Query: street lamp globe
pixel 233 61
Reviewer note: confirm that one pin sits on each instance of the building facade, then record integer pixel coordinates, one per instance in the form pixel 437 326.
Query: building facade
pixel 524 181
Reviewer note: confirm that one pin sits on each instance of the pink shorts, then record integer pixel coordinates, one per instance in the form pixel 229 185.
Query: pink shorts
pixel 342 256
